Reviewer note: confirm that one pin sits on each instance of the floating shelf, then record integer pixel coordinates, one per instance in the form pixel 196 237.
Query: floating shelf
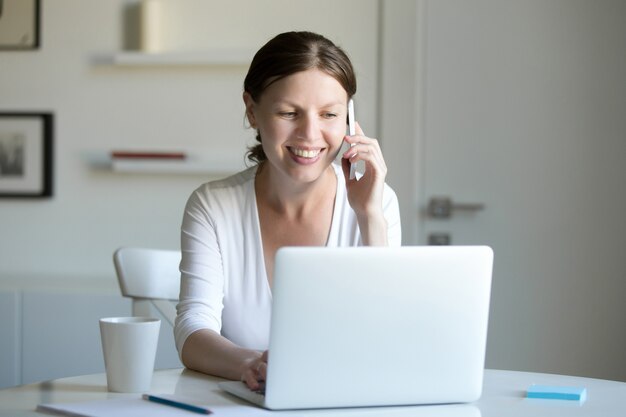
pixel 175 167
pixel 209 58
pixel 194 164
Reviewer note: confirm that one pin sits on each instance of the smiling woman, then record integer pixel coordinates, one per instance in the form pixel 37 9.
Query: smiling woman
pixel 290 53
pixel 296 96
pixel 301 120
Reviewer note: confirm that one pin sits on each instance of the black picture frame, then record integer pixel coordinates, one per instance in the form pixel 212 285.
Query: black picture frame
pixel 20 24
pixel 26 154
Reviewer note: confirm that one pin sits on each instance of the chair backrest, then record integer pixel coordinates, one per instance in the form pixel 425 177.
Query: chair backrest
pixel 149 276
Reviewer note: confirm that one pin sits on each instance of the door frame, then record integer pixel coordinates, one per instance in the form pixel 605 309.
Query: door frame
pixel 402 93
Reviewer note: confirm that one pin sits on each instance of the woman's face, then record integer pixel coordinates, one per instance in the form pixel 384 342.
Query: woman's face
pixel 302 122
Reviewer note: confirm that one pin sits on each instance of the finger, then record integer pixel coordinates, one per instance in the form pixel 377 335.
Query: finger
pixel 372 157
pixel 363 147
pixel 261 371
pixel 352 151
pixel 262 366
pixel 361 140
pixel 249 378
pixel 358 133
pixel 358 151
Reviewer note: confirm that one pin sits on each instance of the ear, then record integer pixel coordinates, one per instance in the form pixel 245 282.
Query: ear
pixel 250 105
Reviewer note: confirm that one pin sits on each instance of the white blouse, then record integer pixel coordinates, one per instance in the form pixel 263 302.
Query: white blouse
pixel 224 284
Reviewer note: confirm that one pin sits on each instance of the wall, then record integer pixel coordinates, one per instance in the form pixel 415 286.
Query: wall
pixel 56 254
pixel 52 331
pixel 99 107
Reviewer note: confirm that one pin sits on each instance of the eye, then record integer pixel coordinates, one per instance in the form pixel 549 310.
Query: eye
pixel 287 114
pixel 330 115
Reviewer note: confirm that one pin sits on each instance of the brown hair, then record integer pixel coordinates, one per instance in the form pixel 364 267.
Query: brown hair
pixel 287 54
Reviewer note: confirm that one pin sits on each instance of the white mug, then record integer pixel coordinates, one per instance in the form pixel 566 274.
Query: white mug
pixel 129 346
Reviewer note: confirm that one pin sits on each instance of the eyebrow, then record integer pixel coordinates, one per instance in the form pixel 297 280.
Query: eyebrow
pixel 290 103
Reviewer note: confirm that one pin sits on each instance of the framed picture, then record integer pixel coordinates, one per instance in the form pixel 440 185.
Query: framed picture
pixel 26 154
pixel 19 24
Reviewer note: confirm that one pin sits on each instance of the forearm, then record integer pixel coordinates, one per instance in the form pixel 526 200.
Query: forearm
pixel 373 230
pixel 210 353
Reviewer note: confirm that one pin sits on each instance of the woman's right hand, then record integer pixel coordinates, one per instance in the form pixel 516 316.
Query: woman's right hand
pixel 254 372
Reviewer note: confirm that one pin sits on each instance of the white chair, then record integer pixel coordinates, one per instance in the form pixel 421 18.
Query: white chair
pixel 149 277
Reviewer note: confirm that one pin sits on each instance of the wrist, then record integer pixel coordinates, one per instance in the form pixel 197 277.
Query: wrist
pixel 373 229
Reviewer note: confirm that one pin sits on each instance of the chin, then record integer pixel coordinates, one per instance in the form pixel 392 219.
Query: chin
pixel 309 173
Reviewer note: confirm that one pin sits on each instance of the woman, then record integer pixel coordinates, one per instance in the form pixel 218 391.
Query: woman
pixel 296 94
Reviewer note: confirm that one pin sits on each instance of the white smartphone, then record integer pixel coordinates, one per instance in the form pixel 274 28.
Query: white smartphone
pixel 351 132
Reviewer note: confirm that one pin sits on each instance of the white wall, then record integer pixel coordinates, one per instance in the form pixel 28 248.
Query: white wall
pixel 60 249
pixel 99 107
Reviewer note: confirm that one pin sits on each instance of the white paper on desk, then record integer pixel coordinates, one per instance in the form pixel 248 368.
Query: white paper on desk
pixel 127 407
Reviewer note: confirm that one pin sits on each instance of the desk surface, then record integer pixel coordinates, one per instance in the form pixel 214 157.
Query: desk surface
pixel 503 395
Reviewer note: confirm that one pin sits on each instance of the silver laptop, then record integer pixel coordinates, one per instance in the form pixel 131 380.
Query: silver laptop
pixel 356 327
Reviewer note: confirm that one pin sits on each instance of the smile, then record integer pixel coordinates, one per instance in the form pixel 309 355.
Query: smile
pixel 305 153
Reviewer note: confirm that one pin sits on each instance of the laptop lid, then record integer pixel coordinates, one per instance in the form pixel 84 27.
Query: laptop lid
pixel 376 326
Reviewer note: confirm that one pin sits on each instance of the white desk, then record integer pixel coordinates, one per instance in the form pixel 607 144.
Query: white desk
pixel 503 395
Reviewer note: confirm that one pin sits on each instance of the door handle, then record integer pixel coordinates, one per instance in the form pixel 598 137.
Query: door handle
pixel 442 207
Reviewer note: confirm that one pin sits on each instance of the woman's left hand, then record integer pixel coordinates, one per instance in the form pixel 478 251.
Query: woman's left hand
pixel 254 372
pixel 365 195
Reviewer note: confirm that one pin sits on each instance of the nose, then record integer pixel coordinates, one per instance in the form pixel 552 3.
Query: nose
pixel 309 127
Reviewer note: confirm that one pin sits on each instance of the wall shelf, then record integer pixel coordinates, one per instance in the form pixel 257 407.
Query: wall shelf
pixel 209 58
pixel 174 167
pixel 204 164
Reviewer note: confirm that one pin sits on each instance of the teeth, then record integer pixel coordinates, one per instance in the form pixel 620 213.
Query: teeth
pixel 304 153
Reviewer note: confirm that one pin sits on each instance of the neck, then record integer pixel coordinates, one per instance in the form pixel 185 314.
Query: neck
pixel 291 198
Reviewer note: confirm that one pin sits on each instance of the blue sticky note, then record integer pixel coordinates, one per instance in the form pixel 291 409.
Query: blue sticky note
pixel 557 393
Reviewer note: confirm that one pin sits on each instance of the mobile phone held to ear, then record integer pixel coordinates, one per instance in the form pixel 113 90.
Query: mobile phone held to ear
pixel 351 132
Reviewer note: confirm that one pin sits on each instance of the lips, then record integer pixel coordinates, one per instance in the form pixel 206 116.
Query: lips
pixel 305 153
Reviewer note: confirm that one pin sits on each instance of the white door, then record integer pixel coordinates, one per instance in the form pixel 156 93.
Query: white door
pixel 521 106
